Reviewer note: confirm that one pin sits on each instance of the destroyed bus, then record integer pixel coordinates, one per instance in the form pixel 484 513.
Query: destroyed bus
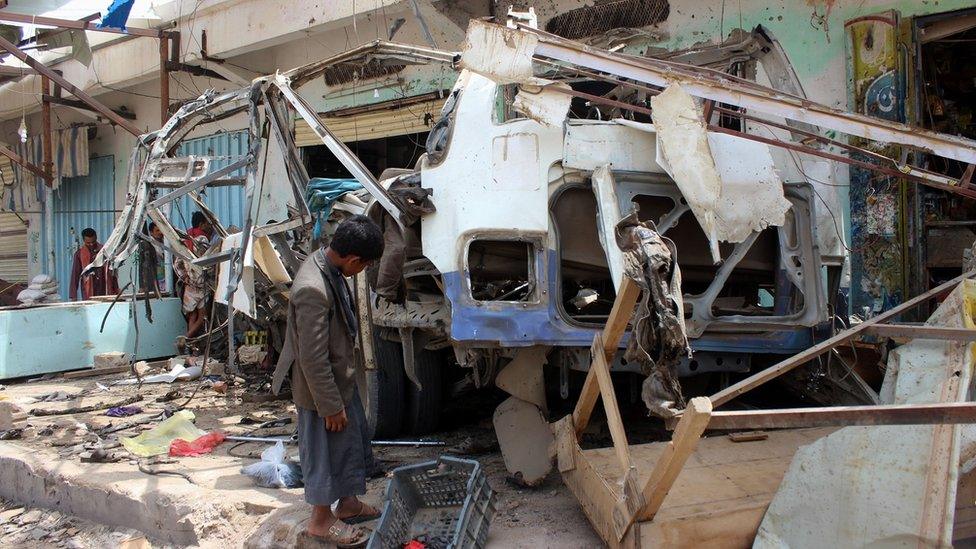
pixel 502 240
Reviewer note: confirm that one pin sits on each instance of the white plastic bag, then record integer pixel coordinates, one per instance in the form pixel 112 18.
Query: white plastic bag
pixel 30 296
pixel 275 470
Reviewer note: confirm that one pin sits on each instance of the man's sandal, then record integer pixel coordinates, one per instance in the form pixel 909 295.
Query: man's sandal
pixel 366 513
pixel 342 535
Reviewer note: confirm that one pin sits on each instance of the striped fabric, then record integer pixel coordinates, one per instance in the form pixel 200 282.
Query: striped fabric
pixel 70 160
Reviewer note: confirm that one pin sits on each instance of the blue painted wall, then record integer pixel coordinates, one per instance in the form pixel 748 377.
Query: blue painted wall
pixel 57 338
pixel 81 202
pixel 226 202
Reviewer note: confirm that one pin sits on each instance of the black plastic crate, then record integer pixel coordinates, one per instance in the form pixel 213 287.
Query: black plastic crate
pixel 445 504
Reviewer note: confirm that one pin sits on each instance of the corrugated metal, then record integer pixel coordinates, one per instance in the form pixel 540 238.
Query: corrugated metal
pixel 13 248
pixel 226 202
pixel 374 125
pixel 78 203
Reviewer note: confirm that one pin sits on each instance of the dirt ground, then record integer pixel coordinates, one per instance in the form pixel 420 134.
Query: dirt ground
pixel 545 516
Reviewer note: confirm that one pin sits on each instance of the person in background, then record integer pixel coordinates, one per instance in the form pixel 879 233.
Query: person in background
pixel 320 351
pixel 157 235
pixel 200 227
pixel 194 280
pixel 101 281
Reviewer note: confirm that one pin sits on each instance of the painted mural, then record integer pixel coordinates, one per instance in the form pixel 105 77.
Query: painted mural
pixel 876 88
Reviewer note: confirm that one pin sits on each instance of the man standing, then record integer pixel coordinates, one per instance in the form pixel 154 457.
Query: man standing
pixel 320 348
pixel 100 281
pixel 156 234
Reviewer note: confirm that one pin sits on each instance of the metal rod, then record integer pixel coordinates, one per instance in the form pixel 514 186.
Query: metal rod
pixel 74 90
pixel 408 443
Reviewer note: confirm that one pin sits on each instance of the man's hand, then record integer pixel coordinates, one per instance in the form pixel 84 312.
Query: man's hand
pixel 336 422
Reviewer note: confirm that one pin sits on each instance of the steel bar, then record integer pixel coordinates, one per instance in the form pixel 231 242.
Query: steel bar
pixel 408 443
pixel 203 181
pixel 339 149
pixel 74 90
pixel 719 87
pixel 80 25
pixel 796 360
pixel 962 191
pixel 922 332
pixel 795 418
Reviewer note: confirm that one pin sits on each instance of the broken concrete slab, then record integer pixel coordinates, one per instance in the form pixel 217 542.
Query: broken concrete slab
pixel 112 359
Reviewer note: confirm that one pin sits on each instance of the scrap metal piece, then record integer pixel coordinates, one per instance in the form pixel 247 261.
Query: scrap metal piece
pixel 659 339
pixel 524 437
pixel 522 377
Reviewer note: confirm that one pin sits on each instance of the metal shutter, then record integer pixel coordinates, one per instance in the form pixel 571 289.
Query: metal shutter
pixel 415 118
pixel 13 248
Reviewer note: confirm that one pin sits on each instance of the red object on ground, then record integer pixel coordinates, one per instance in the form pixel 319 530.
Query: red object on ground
pixel 413 544
pixel 201 445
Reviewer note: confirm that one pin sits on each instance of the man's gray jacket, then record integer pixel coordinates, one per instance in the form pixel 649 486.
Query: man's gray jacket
pixel 320 343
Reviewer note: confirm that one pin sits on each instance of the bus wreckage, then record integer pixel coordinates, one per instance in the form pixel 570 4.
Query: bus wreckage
pixel 557 174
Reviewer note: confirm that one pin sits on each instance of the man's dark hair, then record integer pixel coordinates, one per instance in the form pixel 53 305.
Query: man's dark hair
pixel 197 219
pixel 359 236
pixel 88 233
pixel 152 226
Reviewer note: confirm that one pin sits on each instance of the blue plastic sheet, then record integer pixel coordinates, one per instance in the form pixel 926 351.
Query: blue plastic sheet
pixel 321 195
pixel 117 14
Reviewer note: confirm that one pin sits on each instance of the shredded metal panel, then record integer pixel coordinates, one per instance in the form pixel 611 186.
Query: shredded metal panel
pixel 350 72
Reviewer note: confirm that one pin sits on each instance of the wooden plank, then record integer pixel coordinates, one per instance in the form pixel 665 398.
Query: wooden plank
pixel 69 24
pixel 922 332
pixel 781 368
pixel 676 453
pixel 4 150
pixel 74 90
pixel 789 418
pixel 596 496
pixel 623 309
pixel 614 421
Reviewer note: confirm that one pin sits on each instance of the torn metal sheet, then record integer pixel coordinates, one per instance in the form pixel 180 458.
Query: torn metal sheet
pixel 523 378
pixel 543 104
pixel 608 216
pixel 500 53
pixel 886 485
pixel 683 142
pixel 589 144
pixel 243 297
pixel 524 437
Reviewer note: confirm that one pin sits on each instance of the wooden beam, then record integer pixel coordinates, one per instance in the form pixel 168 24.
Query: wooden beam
pixel 69 24
pixel 693 422
pixel 163 81
pixel 795 418
pixel 75 104
pixel 77 92
pixel 614 421
pixel 922 332
pixel 784 366
pixel 4 150
pixel 46 145
pixel 623 309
